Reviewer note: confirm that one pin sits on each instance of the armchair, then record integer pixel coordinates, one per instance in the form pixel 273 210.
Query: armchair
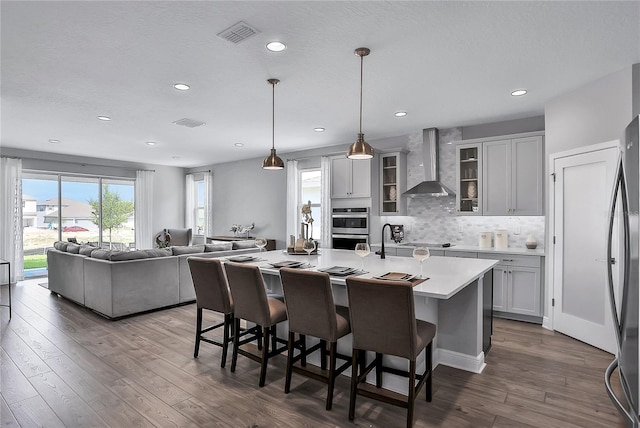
pixel 180 236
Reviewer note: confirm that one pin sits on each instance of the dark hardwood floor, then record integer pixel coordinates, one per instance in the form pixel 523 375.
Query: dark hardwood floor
pixel 64 366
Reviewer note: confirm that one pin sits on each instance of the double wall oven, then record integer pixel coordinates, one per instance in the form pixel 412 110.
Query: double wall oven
pixel 349 226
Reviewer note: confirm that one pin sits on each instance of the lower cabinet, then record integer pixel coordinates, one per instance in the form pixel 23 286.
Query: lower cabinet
pixel 517 286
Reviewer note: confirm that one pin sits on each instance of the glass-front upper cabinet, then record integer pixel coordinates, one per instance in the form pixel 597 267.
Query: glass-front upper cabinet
pixel 469 179
pixel 393 183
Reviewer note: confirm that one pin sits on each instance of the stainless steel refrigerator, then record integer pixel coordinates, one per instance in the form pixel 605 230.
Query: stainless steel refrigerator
pixel 625 303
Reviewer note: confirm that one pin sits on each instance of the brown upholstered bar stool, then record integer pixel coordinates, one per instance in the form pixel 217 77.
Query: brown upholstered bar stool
pixel 383 320
pixel 252 304
pixel 312 312
pixel 212 293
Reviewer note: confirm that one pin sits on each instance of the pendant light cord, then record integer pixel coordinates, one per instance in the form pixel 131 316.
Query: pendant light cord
pixel 273 116
pixel 361 74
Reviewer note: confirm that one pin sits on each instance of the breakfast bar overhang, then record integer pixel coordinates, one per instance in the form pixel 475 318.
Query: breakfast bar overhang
pixel 452 297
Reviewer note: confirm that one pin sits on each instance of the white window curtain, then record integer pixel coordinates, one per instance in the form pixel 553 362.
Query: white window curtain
pixel 190 203
pixel 325 200
pixel 208 204
pixel 293 223
pixel 143 202
pixel 11 218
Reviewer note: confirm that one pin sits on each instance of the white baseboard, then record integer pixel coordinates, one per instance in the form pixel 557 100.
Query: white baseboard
pixel 546 323
pixel 461 361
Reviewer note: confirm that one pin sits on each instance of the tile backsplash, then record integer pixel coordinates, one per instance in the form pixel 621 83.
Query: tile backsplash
pixel 434 219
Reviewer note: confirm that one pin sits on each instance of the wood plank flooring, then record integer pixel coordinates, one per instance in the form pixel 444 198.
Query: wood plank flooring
pixel 61 365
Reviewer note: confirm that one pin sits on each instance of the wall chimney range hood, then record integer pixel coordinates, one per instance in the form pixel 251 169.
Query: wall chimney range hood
pixel 431 185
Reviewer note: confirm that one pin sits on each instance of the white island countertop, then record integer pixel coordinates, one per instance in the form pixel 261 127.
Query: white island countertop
pixel 447 275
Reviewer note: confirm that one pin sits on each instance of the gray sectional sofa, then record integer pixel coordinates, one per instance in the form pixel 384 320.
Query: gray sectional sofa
pixel 118 283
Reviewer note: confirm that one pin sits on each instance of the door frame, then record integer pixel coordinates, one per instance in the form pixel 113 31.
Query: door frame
pixel 547 320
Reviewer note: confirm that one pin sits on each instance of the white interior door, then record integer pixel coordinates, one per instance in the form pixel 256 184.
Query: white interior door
pixel 582 194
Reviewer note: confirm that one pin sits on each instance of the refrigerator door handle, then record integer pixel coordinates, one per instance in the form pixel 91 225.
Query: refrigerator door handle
pixel 629 418
pixel 618 185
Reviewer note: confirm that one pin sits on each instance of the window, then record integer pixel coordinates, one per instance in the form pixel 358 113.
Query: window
pixel 95 210
pixel 310 190
pixel 199 207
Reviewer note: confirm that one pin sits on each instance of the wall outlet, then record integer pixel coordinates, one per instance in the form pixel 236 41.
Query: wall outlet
pixel 517 230
pixel 460 228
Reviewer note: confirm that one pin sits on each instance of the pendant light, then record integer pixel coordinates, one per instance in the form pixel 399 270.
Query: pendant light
pixel 273 162
pixel 360 149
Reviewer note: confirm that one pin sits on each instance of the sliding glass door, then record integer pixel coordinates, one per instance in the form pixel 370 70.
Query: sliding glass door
pixel 83 209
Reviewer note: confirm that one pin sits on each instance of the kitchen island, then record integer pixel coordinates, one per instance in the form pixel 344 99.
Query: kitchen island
pixel 452 297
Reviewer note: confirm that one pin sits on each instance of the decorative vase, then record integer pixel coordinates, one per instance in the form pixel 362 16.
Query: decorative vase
pixel 531 242
pixel 393 193
pixel 471 190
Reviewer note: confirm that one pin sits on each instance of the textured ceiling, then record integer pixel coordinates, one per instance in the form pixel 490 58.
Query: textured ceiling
pixel 445 63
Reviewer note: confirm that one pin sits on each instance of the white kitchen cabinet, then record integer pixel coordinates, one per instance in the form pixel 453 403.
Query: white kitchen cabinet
pixel 469 179
pixel 512 177
pixel 350 178
pixel 393 183
pixel 517 288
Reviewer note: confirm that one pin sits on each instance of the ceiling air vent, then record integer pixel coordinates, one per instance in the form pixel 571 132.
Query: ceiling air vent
pixel 238 32
pixel 189 123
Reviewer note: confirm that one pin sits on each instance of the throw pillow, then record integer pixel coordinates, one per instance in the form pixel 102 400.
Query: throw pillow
pixel 240 245
pixel 86 250
pixel 60 245
pixel 158 252
pixel 73 248
pixel 101 254
pixel 226 246
pixel 187 249
pixel 118 256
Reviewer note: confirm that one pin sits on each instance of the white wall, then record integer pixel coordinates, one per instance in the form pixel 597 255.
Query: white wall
pixel 169 182
pixel 594 113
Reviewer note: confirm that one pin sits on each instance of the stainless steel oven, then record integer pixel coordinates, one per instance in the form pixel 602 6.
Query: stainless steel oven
pixel 349 226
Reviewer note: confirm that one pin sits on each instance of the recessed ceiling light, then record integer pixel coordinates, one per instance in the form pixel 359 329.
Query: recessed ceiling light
pixel 151 143
pixel 276 46
pixel 105 118
pixel 175 157
pixel 400 114
pixel 182 86
pixel 319 129
pixel 238 144
pixel 52 141
pixel 519 92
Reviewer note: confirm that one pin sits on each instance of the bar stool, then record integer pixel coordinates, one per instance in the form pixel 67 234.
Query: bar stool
pixel 312 312
pixel 383 321
pixel 252 304
pixel 212 293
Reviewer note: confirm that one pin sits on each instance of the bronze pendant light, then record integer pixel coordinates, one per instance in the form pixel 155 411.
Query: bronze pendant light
pixel 360 149
pixel 273 162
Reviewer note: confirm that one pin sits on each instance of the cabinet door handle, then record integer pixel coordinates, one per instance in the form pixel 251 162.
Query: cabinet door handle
pixel 507 260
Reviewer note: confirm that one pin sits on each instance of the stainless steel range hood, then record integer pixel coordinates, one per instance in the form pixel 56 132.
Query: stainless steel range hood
pixel 431 185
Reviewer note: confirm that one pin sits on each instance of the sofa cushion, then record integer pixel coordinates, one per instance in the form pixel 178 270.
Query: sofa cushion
pixel 86 250
pixel 158 252
pixel 60 245
pixel 101 254
pixel 187 249
pixel 224 246
pixel 239 245
pixel 73 248
pixel 118 256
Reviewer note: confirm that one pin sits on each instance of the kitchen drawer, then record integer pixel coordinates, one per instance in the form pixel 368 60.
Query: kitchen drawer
pixel 465 254
pixel 512 259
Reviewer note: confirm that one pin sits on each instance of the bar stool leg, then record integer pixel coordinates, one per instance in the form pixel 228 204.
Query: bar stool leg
pixel 332 375
pixel 323 354
pixel 290 350
pixel 265 356
pixel 228 319
pixel 198 332
pixel 378 370
pixel 303 349
pixel 411 399
pixel 429 357
pixel 236 339
pixel 354 383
